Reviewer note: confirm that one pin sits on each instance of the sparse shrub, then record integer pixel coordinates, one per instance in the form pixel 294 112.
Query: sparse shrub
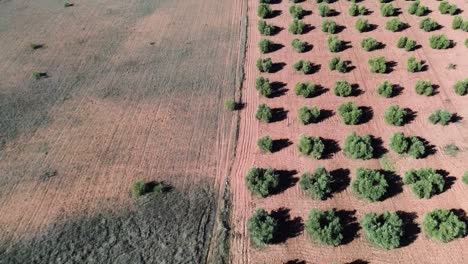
pixel 303 66
pixel 305 89
pixel 457 22
pixel 385 230
pixel 416 148
pixel 461 87
pixel 446 8
pixel 399 143
pixel 311 146
pixel 299 46
pixel 385 89
pixel 394 25
pixel 370 44
pixel 424 88
pixel 324 10
pixel 262 228
pixel 262 182
pixel 317 185
pixel 264 113
pixel 334 44
pixel 329 26
pixel 296 11
pixel 333 62
pixel 424 182
pixel 440 117
pixel 342 88
pixel 369 184
pixel 439 42
pixel 265 144
pixel 38 75
pixel 355 10
pixel 358 147
pixel 67 4
pixel 264 11
pixel 138 188
pixel 451 150
pixel 263 86
pixel 307 116
pixel 265 45
pixel 36 46
pixel 325 227
pixel 465 178
pixel 378 64
pixel 350 114
pixel 443 225
pixel 230 105
pixel 264 65
pixel 265 29
pixel 387 10
pixel 362 25
pixel 394 115
pixel 428 24
pixel 296 27
pixel 413 65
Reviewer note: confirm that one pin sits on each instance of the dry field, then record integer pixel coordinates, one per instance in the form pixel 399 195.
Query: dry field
pixel 134 90
pixel 297 245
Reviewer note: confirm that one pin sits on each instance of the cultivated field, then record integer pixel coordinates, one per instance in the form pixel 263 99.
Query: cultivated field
pixel 294 244
pixel 129 90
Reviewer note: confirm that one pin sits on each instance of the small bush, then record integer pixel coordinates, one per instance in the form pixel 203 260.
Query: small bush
pixel 265 45
pixel 333 62
pixel 264 113
pixel 317 185
pixel 369 184
pixel 265 144
pixel 264 11
pixel 385 89
pixel 36 46
pixel 443 225
pixel 428 24
pixel 446 8
pixel 387 10
pixel 394 115
pixel 307 116
pixel 264 65
pixel 424 182
pixel 265 29
pixel 342 88
pixel 296 11
pixel 394 25
pixel 385 230
pixel 355 10
pixel 311 146
pixel 424 88
pixel 305 89
pixel 329 26
pixel 303 66
pixel 230 105
pixel 451 150
pixel 461 87
pixel 350 114
pixel 262 182
pixel 358 147
pixel 67 4
pixel 457 22
pixel 324 10
pixel 263 86
pixel 465 178
pixel 399 143
pixel 262 228
pixel 440 117
pixel 370 44
pixel 334 44
pixel 416 148
pixel 378 64
pixel 138 188
pixel 296 27
pixel 325 227
pixel 439 42
pixel 299 46
pixel 413 65
pixel 362 25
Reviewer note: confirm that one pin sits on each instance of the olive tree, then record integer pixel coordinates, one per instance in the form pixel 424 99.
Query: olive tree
pixel 385 89
pixel 440 116
pixel 423 87
pixel 439 42
pixel 370 44
pixel 378 64
pixel 395 115
pixel 308 115
pixel 305 89
pixel 264 113
pixel 369 184
pixel 461 87
pixel 262 182
pixel 263 86
pixel 265 144
pixel 358 147
pixel 299 46
pixel 264 65
pixel 342 88
pixel 311 146
pixel 384 230
pixel 262 228
pixel 350 114
pixel 428 24
pixel 264 11
pixel 325 227
pixel 424 182
pixel 443 225
pixel 318 184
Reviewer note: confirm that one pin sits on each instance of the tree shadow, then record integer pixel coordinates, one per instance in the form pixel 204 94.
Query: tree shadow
pixel 287 227
pixel 279 114
pixel 307 28
pixel 456 118
pixel 462 216
pixel 435 89
pixel 367 114
pixel 164 187
pixel 390 66
pixel 333 13
pixel 397 90
pixel 418 46
pixel 348 66
pixel 331 148
pixel 410 116
pixel 239 106
pixel 274 2
pixel 277 30
pixel 350 225
pixel 275 47
pixel 315 68
pixel 449 180
pixel 395 184
pixel 341 180
pixel 308 47
pixel 371 27
pixel 324 115
pixel 339 28
pixel 286 180
pixel 295 261
pixel 358 261
pixel 276 67
pixel 346 45
pixel 275 13
pixel 319 90
pixel 306 13
pixel 279 144
pixel 430 149
pixel 279 89
pixel 411 228
pixel 379 149
pixel 355 90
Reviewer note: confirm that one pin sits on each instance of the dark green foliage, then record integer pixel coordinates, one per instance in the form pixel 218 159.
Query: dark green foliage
pixel 439 42
pixel 399 143
pixel 378 64
pixel 329 26
pixel 264 1
pixel 324 10
pixel 317 185
pixel 370 44
pixel 440 117
pixel 387 10
pixel 334 44
pixel 350 114
pixel 264 113
pixel 299 46
pixel 355 10
pixel 333 62
pixel 311 146
pixel 446 8
pixel 265 29
pixel 443 225
pixel 262 228
pixel 264 10
pixel 264 65
pixel 417 9
pixel 416 148
pixel 230 104
pixel 394 25
pixel 385 89
pixel 461 87
pixel 428 24
pixel 465 178
pixel 342 88
pixel 296 27
pixel 362 25
pixel 385 230
pixel 424 88
pixel 369 184
pixel 305 89
pixel 296 11
pixel 413 65
pixel 303 66
pixel 307 116
pixel 457 22
pixel 265 45
pixel 262 182
pixel 138 188
pixel 424 182
pixel 263 86
pixel 358 147
pixel 324 227
pixel 394 115
pixel 265 144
